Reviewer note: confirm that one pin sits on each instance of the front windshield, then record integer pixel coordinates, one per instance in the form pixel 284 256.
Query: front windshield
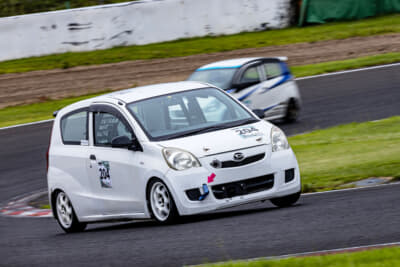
pixel 219 77
pixel 187 113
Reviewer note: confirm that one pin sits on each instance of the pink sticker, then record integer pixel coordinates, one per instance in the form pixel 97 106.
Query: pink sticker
pixel 211 178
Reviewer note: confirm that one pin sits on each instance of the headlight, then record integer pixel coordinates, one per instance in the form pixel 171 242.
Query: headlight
pixel 278 140
pixel 179 159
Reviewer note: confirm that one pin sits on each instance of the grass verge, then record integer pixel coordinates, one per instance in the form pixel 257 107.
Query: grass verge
pixel 385 257
pixel 44 110
pixel 355 63
pixel 36 112
pixel 185 47
pixel 350 152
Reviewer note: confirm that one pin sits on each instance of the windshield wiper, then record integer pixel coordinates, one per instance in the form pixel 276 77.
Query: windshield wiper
pixel 210 129
pixel 202 130
pixel 248 121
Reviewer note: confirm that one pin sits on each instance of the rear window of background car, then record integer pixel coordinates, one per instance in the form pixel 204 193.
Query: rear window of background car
pixel 250 75
pixel 272 70
pixel 74 128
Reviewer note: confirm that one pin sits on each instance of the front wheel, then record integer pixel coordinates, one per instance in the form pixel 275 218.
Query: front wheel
pixel 66 216
pixel 286 201
pixel 161 203
pixel 292 111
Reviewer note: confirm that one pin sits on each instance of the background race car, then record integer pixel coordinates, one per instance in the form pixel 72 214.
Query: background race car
pixel 265 84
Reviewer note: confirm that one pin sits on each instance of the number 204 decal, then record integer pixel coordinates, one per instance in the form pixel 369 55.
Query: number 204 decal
pixel 104 173
pixel 249 131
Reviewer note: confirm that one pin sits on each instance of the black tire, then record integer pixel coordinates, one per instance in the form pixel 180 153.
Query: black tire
pixel 75 225
pixel 286 201
pixel 173 214
pixel 292 111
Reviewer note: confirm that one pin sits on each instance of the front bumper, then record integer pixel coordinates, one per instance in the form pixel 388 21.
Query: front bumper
pixel 272 165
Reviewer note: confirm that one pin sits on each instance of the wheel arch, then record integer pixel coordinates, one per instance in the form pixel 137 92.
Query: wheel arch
pixel 53 196
pixel 170 189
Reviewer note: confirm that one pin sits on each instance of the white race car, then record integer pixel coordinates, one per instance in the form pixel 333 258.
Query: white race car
pixel 265 84
pixel 161 151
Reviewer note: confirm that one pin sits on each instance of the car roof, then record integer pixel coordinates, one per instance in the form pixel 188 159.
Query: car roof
pixel 139 93
pixel 234 63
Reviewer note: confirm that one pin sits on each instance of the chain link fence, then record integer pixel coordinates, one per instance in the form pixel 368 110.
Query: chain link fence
pixel 21 7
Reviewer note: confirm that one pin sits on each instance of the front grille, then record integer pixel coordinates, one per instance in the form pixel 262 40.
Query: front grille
pixel 243 187
pixel 232 163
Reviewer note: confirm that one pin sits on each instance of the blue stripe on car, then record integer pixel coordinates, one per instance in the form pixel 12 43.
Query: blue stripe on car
pixel 219 68
pixel 243 97
pixel 271 107
pixel 284 79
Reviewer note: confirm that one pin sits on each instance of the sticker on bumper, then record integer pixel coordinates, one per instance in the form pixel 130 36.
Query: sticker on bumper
pixel 211 178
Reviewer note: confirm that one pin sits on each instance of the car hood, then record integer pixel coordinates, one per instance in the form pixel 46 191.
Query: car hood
pixel 205 144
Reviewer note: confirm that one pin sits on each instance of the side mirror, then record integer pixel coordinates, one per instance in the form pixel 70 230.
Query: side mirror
pixel 121 141
pixel 259 113
pixel 125 142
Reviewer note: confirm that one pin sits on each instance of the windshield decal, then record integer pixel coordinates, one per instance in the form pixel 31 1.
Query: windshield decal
pixel 247 131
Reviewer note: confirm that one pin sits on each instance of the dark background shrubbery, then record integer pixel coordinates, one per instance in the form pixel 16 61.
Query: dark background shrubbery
pixel 20 7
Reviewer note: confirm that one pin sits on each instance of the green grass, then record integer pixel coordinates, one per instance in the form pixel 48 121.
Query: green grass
pixel 185 47
pixel 331 157
pixel 386 257
pixel 331 66
pixel 36 112
pixel 41 111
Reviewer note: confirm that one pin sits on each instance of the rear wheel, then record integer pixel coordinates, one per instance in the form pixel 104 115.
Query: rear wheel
pixel 161 203
pixel 65 214
pixel 292 111
pixel 286 201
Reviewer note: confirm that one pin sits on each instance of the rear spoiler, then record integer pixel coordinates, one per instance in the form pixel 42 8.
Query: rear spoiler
pixel 282 58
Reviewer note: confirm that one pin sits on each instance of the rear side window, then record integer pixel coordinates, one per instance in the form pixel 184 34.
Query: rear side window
pixel 74 128
pixel 250 75
pixel 272 70
pixel 107 127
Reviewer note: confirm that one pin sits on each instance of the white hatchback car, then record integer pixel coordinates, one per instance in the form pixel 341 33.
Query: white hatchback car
pixel 260 83
pixel 161 151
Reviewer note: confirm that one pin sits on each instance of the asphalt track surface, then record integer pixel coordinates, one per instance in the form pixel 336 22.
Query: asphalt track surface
pixel 318 222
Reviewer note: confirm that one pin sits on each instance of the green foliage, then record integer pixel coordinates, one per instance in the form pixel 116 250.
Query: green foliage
pixel 186 47
pixel 21 7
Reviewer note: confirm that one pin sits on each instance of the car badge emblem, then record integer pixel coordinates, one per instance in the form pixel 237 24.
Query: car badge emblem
pixel 238 156
pixel 206 149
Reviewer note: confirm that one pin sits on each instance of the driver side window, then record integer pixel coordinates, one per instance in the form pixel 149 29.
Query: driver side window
pixel 107 126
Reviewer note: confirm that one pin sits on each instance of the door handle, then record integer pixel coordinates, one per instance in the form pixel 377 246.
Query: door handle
pixel 92 157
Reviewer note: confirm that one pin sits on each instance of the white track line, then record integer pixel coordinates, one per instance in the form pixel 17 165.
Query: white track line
pixel 349 189
pixel 26 124
pixel 348 71
pixel 297 79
